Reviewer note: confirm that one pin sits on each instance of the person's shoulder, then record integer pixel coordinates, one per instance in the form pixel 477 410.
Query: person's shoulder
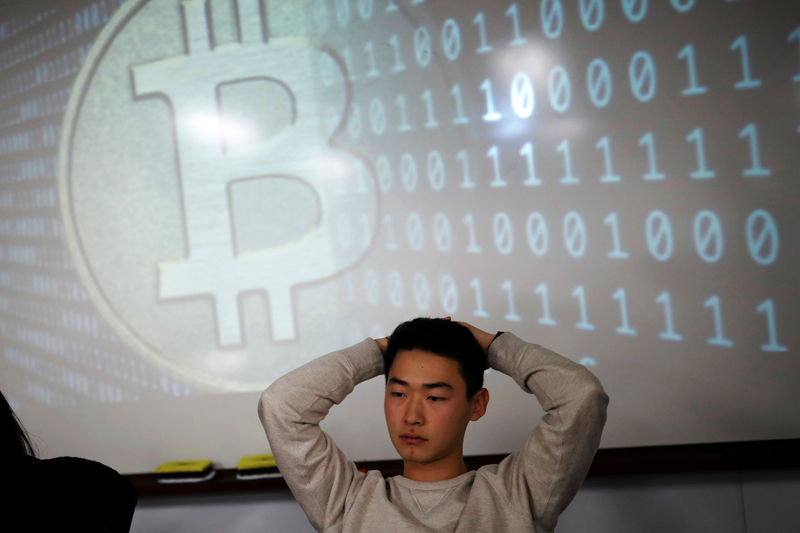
pixel 490 469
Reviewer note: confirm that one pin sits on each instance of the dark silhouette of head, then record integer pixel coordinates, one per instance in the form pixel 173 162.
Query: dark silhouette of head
pixel 13 438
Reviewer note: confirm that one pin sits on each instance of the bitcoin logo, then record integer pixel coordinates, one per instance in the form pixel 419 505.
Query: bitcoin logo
pixel 202 191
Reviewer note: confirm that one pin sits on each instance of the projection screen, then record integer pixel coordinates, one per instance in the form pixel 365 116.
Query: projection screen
pixel 198 196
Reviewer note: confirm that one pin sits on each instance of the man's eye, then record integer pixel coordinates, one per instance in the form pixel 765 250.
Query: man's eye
pixel 436 398
pixel 397 394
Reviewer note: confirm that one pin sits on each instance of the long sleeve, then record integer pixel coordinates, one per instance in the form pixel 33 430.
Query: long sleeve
pixel 557 454
pixel 317 472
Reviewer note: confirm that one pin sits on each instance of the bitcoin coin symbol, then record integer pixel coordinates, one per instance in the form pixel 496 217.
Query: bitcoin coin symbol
pixel 204 183
pixel 210 161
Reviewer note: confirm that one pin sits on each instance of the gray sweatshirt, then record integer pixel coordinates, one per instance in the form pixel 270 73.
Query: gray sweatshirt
pixel 524 492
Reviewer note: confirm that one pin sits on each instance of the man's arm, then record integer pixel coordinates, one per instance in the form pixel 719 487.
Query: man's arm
pixel 554 461
pixel 291 409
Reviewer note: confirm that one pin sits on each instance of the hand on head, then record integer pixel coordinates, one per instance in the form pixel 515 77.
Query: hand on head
pixel 484 338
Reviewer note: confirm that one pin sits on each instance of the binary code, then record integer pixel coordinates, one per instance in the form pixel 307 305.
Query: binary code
pixel 559 165
pixel 56 348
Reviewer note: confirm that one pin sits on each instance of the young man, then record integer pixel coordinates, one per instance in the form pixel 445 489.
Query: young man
pixel 434 388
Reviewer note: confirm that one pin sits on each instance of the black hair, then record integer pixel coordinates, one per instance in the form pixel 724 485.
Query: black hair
pixel 13 438
pixel 441 337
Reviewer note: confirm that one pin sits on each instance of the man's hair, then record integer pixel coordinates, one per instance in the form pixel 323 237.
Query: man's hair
pixel 441 337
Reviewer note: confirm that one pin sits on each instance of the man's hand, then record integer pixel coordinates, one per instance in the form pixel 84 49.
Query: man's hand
pixel 383 343
pixel 484 338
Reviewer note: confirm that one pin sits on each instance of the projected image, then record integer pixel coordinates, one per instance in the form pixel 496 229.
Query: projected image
pixel 202 195
pixel 202 190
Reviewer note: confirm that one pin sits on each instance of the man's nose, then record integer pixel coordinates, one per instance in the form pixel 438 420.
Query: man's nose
pixel 413 414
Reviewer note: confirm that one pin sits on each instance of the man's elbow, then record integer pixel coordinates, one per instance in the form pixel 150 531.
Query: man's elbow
pixel 593 396
pixel 269 399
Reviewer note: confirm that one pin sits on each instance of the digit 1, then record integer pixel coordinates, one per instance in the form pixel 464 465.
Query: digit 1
pixel 625 328
pixel 373 72
pixel 755 170
pixel 747 82
pixel 718 339
pixel 768 308
pixel 568 178
pixel 498 180
pixel 398 62
pixel 512 315
pixel 491 115
pixel 584 324
pixel 545 319
pixel 609 176
pixel 478 21
pixel 466 181
pixel 460 118
pixel 617 252
pixel 401 103
pixel 653 174
pixel 527 152
pixel 479 310
pixel 428 99
pixel 669 329
pixel 512 12
pixel 702 172
pixel 687 52
pixel 473 247
pixel 391 244
pixel 795 36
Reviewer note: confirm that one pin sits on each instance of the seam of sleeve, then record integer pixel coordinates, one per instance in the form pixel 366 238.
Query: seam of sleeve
pixel 548 502
pixel 546 508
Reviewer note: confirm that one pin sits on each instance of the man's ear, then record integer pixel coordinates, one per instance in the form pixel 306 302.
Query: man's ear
pixel 479 403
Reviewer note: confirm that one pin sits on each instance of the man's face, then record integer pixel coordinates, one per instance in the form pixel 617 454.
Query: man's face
pixel 426 407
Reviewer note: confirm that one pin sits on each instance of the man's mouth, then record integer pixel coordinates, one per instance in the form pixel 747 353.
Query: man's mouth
pixel 409 438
